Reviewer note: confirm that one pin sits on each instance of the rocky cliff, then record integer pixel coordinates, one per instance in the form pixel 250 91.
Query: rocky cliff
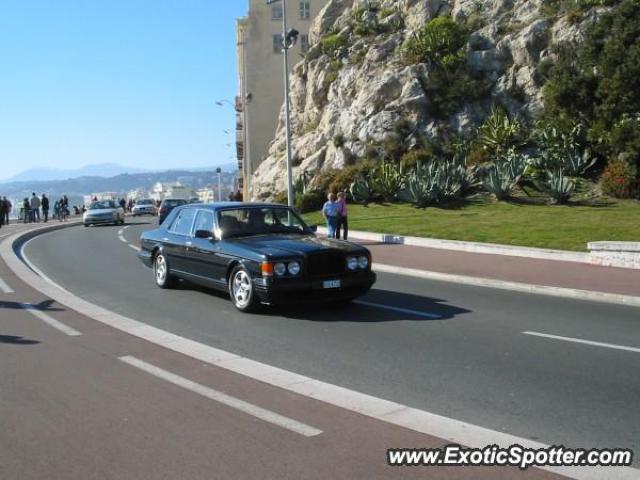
pixel 358 89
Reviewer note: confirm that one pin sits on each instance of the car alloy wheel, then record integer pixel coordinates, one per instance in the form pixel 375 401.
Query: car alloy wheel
pixel 241 289
pixel 164 279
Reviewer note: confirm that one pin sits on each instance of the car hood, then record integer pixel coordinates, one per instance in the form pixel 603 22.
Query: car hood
pixel 298 245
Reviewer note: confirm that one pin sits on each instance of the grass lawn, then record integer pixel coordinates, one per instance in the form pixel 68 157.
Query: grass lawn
pixel 518 223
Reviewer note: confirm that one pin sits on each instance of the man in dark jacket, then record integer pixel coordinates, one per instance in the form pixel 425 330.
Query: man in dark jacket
pixel 44 203
pixel 7 209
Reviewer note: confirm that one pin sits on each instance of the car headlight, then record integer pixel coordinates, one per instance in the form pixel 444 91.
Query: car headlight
pixel 352 263
pixel 280 269
pixel 363 262
pixel 294 268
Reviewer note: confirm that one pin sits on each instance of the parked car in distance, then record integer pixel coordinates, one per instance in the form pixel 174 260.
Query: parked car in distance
pixel 167 205
pixel 144 207
pixel 258 253
pixel 103 212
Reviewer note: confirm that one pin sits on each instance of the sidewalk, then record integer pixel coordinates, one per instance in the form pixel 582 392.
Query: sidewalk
pixel 557 273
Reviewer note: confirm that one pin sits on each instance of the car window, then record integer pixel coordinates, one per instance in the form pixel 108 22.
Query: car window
pixel 204 221
pixel 259 221
pixel 102 205
pixel 184 221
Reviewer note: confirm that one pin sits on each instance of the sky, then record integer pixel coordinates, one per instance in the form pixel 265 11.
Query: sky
pixel 133 82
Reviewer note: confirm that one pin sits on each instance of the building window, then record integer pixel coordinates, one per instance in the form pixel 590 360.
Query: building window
pixel 277 43
pixel 276 11
pixel 305 10
pixel 304 43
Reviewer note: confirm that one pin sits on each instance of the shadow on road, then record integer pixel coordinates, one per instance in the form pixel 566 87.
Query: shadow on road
pixel 13 340
pixel 377 306
pixel 45 306
pixel 388 306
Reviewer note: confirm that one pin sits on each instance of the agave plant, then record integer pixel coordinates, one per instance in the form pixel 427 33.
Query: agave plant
pixel 500 132
pixel 558 186
pixel 502 177
pixel 388 180
pixel 432 183
pixel 361 190
pixel 561 150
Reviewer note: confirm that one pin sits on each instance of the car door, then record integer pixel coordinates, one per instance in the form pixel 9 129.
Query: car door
pixel 206 253
pixel 178 240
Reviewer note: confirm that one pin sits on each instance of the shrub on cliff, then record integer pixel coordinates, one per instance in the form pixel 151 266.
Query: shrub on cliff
pixel 440 41
pixel 597 83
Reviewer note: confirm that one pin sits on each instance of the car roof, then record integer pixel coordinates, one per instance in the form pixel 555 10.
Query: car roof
pixel 230 205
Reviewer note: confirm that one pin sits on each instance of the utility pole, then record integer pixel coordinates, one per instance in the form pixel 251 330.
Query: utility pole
pixel 289 38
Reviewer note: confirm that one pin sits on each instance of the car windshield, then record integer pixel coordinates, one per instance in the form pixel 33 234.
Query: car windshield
pixel 102 205
pixel 144 202
pixel 174 203
pixel 244 222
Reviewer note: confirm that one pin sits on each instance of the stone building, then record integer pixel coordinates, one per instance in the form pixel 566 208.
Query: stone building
pixel 260 71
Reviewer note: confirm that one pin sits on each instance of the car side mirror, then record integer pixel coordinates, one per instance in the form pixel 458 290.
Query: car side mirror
pixel 206 234
pixel 314 228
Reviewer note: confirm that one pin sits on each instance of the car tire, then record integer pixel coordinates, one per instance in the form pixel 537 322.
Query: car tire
pixel 162 272
pixel 241 290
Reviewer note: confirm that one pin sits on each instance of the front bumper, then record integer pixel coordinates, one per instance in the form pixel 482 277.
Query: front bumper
pixel 145 257
pixel 99 221
pixel 292 291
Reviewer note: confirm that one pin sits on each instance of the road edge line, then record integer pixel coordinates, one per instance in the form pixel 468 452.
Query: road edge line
pixel 421 421
pixel 560 292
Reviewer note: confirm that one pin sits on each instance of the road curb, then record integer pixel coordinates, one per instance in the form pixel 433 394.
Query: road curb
pixel 450 430
pixel 561 292
pixel 471 247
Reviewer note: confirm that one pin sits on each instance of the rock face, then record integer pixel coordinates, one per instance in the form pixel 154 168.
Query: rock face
pixel 364 93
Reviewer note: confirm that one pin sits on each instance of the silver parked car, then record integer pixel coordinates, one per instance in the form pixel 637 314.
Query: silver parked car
pixel 103 212
pixel 144 207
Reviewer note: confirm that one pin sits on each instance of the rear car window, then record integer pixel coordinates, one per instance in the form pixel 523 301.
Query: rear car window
pixel 183 222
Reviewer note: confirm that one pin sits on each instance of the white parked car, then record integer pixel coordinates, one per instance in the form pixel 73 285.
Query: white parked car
pixel 103 212
pixel 144 207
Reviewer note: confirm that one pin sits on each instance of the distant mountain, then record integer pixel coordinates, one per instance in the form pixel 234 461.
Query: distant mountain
pixel 49 174
pixel 77 187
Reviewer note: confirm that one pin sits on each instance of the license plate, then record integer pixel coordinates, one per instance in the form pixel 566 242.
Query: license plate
pixel 331 284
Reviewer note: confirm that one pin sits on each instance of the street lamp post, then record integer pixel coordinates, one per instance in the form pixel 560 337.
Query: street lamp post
pixel 289 39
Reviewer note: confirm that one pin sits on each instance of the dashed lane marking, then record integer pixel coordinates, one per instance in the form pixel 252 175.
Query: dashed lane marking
pixel 235 403
pixel 52 322
pixel 137 249
pixel 417 313
pixel 584 342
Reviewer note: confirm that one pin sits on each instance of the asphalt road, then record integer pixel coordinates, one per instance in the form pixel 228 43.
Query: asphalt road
pixel 472 364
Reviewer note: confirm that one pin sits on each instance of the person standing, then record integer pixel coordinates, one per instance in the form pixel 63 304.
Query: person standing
pixel 26 207
pixel 2 215
pixel 35 208
pixel 343 223
pixel 45 207
pixel 330 213
pixel 7 209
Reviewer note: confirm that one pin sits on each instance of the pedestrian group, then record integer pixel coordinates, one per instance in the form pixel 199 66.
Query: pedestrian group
pixel 335 213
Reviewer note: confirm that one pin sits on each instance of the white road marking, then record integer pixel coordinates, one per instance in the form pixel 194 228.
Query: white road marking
pixel 52 322
pixel 137 249
pixel 585 342
pixel 561 292
pixel 4 287
pixel 121 231
pixel 122 239
pixel 235 403
pixel 417 313
pixel 393 413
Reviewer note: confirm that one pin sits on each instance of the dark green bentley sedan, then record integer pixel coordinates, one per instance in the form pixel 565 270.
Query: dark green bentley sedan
pixel 259 253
